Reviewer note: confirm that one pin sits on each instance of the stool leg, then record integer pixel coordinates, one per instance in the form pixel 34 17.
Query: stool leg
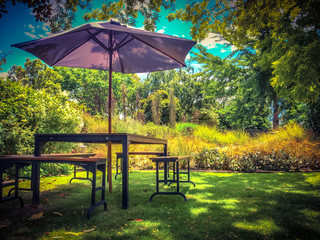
pixel 16 186
pixel 157 182
pixel 165 173
pixel 93 190
pixel 103 191
pixel 178 185
pixel 117 167
pixel 1 179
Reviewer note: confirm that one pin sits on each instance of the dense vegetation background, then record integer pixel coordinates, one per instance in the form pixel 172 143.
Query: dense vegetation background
pixel 271 81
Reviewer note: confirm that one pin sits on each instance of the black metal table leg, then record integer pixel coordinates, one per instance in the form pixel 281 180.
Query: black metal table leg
pixel 93 168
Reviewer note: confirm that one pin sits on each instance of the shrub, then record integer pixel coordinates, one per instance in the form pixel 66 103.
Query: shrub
pixel 222 138
pixel 186 128
pixel 209 158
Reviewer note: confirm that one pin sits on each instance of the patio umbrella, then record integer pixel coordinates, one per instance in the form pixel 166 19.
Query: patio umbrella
pixel 113 47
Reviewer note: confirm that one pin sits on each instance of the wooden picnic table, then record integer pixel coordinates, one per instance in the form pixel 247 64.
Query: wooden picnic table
pixel 125 139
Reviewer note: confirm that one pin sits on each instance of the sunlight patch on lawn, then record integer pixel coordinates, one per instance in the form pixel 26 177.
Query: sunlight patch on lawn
pixel 203 186
pixel 310 214
pixel 265 227
pixel 225 203
pixel 198 211
pixel 312 179
pixel 139 228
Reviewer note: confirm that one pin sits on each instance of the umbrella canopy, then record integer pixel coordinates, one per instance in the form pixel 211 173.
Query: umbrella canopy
pixel 89 46
pixel 113 47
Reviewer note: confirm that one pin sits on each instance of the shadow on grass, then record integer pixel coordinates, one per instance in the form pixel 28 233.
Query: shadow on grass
pixel 221 206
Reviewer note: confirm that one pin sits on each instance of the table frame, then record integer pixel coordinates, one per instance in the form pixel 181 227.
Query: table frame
pixel 124 139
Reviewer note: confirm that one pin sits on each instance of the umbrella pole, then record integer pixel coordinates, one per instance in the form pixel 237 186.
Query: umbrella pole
pixel 110 113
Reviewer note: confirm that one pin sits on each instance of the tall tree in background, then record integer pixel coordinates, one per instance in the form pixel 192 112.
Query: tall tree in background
pixel 37 75
pixel 124 98
pixel 156 108
pixel 233 88
pixel 172 108
pixel 127 11
pixel 283 34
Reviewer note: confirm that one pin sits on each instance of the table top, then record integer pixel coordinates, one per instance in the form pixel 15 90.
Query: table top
pixel 99 138
pixel 46 159
pixel 170 158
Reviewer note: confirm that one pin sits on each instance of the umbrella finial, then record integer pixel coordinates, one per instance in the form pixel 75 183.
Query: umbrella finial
pixel 114 22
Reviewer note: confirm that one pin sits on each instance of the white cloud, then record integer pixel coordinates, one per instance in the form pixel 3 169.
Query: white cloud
pixel 30 35
pixel 30 26
pixel 3 74
pixel 223 50
pixel 233 48
pixel 45 27
pixel 142 75
pixel 213 40
pixel 160 31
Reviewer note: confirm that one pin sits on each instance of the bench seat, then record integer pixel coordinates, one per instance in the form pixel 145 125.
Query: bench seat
pixel 176 174
pixel 90 164
pixel 147 153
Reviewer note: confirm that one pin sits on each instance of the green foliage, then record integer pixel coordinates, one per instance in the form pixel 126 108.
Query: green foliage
pixel 37 75
pixel 127 12
pixel 153 130
pixel 285 39
pixel 209 158
pixel 25 111
pixel 186 128
pixel 214 159
pixel 222 138
pixel 234 91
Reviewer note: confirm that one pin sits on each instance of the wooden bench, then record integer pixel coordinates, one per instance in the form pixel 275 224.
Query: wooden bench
pixel 90 164
pixel 176 174
pixel 119 156
pixel 63 155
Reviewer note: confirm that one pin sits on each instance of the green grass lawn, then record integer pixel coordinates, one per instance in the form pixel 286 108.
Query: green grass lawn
pixel 221 206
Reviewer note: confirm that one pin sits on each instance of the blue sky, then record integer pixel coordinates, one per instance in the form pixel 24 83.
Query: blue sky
pixel 19 26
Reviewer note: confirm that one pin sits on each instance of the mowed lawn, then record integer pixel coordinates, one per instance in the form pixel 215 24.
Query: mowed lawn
pixel 221 206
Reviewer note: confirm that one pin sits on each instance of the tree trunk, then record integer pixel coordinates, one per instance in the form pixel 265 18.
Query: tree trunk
pixel 275 123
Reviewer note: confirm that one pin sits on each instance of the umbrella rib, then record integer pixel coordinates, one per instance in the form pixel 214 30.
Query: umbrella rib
pixel 99 42
pixel 76 47
pixel 122 43
pixel 159 51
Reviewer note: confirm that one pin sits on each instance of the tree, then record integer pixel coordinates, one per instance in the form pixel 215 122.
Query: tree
pixel 172 108
pixel 156 108
pixel 124 99
pixel 283 34
pixel 37 75
pixel 127 11
pixel 25 111
pixel 41 8
pixel 234 91
pixel 59 14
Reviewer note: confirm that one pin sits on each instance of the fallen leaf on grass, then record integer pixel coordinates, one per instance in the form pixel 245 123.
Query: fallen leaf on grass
pixel 57 213
pixel 36 216
pixel 89 230
pixel 74 233
pixel 62 195
pixel 143 229
pixel 138 220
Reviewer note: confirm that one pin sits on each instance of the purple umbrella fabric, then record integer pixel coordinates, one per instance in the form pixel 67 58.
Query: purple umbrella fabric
pixel 89 46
